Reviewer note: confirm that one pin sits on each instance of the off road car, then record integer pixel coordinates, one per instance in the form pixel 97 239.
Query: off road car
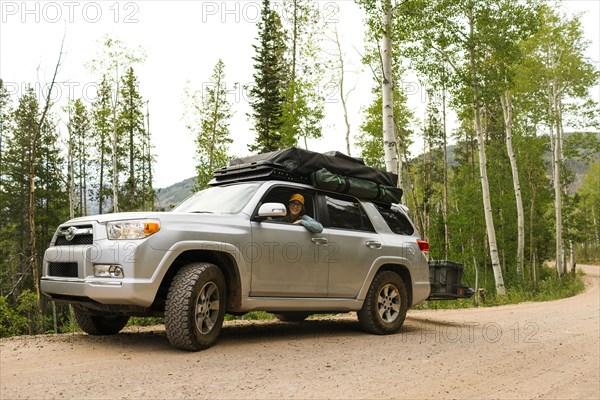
pixel 227 249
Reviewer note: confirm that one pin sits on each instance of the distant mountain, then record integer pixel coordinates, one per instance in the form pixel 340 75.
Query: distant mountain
pixel 171 196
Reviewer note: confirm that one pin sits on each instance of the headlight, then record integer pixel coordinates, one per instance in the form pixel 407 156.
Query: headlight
pixel 132 229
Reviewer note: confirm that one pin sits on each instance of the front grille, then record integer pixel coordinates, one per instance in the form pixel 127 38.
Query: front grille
pixel 77 240
pixel 75 236
pixel 63 269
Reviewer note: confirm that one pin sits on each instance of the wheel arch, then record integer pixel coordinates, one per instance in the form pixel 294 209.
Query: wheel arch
pixel 224 261
pixel 403 272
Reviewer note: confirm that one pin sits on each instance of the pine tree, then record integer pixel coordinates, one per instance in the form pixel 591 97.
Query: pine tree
pixel 16 185
pixel 102 128
pixel 131 141
pixel 209 122
pixel 11 241
pixel 114 56
pixel 79 144
pixel 267 94
pixel 50 203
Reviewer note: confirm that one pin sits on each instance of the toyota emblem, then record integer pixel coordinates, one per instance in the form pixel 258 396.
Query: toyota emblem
pixel 70 233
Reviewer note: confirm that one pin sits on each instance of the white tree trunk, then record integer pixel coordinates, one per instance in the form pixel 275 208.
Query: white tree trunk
pixel 343 95
pixel 573 256
pixel 487 207
pixel 389 140
pixel 71 176
pixel 485 188
pixel 557 158
pixel 445 194
pixel 115 159
pixel 507 111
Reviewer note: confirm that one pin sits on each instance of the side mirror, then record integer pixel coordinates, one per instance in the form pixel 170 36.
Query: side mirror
pixel 272 210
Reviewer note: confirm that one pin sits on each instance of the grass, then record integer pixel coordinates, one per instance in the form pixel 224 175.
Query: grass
pixel 549 287
pixel 253 315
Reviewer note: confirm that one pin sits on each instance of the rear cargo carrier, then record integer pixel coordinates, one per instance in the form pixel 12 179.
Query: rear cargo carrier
pixel 445 280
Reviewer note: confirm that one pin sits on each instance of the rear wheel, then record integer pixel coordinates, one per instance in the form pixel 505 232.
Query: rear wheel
pixel 195 306
pixel 94 324
pixel 292 316
pixel 385 306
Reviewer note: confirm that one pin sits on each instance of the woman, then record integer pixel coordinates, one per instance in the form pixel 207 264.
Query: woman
pixel 297 216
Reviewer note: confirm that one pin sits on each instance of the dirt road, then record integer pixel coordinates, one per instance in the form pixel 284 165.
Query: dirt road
pixel 534 350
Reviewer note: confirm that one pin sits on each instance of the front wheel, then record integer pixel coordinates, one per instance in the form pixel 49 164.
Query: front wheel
pixel 94 324
pixel 195 306
pixel 385 306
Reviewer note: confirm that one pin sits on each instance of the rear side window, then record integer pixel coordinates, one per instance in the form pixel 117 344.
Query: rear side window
pixel 396 220
pixel 346 213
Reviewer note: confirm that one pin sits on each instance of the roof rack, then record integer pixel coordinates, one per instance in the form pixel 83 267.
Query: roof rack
pixel 256 171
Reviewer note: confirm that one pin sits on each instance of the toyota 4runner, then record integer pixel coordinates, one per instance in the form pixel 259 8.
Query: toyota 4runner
pixel 226 249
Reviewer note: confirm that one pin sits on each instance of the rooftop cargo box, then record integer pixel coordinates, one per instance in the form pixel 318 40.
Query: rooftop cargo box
pixel 332 171
pixel 299 162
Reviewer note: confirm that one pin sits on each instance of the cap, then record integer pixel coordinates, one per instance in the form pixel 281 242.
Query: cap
pixel 297 197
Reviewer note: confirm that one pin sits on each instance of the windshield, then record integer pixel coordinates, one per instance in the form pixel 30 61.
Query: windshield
pixel 220 200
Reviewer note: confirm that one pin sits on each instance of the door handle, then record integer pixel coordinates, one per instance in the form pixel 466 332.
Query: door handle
pixel 319 240
pixel 373 244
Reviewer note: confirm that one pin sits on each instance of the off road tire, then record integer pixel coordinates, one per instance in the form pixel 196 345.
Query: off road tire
pixel 385 306
pixel 195 306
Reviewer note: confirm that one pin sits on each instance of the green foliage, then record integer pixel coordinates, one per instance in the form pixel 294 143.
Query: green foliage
pixel 208 120
pixel 550 287
pixel 252 315
pixel 589 210
pixel 50 199
pixel 303 110
pixel 79 143
pixel 20 319
pixel 267 94
pixel 285 96
pixel 123 156
pixel 134 149
pixel 102 157
pixel 145 321
pixel 26 142
pixel 370 138
pixel 11 322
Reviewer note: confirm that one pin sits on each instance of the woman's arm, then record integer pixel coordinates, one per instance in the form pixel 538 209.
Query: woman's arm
pixel 311 224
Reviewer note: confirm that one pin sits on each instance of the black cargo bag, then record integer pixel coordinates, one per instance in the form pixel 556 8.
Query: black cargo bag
pixel 361 188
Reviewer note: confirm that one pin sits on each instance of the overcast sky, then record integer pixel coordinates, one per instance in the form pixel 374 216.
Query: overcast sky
pixel 183 40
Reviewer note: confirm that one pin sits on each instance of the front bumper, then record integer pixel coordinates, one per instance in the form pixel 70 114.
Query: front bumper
pixel 68 271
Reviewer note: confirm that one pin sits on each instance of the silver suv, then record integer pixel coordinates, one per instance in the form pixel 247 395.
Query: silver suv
pixel 227 250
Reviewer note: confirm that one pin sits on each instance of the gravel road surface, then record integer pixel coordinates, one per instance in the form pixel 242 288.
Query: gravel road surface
pixel 547 350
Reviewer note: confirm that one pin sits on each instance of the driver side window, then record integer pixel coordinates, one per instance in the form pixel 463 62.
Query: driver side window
pixel 283 195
